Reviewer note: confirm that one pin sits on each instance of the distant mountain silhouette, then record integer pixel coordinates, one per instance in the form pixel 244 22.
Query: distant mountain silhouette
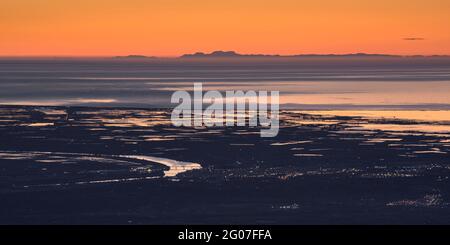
pixel 345 55
pixel 233 54
pixel 224 54
pixel 134 56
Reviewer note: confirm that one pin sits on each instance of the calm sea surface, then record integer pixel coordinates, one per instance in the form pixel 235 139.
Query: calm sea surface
pixel 419 84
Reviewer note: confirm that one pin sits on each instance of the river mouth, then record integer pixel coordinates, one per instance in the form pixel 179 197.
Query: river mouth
pixel 175 167
pixel 53 169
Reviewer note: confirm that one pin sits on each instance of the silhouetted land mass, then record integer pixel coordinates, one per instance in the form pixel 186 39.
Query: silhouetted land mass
pixel 134 56
pixel 233 54
pixel 224 54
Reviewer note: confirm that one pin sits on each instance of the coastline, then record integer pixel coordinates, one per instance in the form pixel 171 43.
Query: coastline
pixel 319 170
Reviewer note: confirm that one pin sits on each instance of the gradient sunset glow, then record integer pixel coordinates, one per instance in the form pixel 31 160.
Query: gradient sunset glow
pixel 175 27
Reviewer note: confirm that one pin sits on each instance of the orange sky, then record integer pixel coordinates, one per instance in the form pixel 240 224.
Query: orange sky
pixel 174 27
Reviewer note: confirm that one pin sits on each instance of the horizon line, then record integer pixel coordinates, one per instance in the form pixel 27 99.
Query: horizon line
pixel 237 55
